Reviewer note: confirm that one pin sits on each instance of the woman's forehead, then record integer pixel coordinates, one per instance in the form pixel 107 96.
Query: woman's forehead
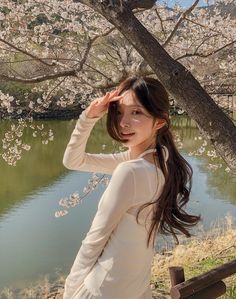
pixel 129 99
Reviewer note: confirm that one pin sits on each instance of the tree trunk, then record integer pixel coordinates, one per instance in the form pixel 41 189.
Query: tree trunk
pixel 179 82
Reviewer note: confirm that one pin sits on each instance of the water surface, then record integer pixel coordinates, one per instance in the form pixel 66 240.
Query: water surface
pixel 35 243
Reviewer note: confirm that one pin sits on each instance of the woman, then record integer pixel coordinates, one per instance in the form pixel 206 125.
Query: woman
pixel 150 184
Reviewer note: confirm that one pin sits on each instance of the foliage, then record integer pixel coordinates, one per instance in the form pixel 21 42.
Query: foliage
pixel 63 52
pixel 198 255
pixel 65 46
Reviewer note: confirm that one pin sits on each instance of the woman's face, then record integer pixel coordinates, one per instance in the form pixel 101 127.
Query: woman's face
pixel 136 125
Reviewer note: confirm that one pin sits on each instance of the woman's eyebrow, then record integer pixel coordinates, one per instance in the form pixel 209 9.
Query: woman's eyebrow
pixel 120 105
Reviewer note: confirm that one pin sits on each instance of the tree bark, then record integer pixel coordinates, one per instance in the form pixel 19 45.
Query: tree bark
pixel 179 82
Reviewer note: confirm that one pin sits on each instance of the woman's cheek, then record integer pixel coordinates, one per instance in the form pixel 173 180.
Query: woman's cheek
pixel 137 119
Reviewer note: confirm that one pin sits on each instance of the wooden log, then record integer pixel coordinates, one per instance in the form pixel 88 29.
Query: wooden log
pixel 196 284
pixel 176 275
pixel 211 292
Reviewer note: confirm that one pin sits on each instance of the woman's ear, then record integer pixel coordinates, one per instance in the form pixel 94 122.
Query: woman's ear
pixel 159 123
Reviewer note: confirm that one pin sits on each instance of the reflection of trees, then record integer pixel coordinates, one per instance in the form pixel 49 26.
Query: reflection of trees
pixel 40 167
pixel 43 164
pixel 183 121
pixel 98 137
pixel 221 183
pixel 184 126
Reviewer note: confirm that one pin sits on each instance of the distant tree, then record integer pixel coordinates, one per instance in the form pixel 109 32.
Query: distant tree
pixel 78 49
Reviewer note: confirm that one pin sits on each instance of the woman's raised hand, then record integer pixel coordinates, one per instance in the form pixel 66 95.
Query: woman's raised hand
pixel 99 107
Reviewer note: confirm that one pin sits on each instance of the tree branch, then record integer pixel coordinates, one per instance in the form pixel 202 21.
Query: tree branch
pixel 25 52
pixel 72 72
pixel 39 78
pixel 48 58
pixel 97 71
pixel 182 17
pixel 204 26
pixel 161 21
pixel 206 55
pixel 55 87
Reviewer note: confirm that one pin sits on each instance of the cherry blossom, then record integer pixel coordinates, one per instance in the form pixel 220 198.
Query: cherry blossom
pixel 67 54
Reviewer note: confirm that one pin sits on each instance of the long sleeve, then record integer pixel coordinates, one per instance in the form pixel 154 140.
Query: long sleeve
pixel 116 200
pixel 75 157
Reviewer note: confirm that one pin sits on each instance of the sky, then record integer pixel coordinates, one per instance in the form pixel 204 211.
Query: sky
pixel 184 3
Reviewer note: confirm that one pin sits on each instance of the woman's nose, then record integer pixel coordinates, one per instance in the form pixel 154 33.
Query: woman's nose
pixel 124 121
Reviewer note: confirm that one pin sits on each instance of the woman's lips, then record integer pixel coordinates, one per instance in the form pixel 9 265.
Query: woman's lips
pixel 127 134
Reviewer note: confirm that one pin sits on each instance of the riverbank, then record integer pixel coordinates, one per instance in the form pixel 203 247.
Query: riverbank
pixel 196 255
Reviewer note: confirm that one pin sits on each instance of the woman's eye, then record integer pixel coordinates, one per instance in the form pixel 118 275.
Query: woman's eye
pixel 135 112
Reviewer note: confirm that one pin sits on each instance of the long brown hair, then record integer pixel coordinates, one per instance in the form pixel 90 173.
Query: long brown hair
pixel 169 217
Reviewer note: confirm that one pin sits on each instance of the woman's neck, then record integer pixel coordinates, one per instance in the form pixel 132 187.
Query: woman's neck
pixel 134 153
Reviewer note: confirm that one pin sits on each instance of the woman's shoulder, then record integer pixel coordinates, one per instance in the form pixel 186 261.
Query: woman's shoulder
pixel 136 167
pixel 139 176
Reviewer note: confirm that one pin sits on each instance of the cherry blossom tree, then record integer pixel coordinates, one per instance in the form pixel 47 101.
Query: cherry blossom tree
pixel 68 52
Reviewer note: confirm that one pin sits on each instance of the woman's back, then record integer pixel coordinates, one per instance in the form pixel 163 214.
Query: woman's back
pixel 115 240
pixel 126 260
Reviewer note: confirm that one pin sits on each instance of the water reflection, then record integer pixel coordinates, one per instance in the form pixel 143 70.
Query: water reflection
pixel 34 242
pixel 221 184
pixel 41 166
pixel 38 168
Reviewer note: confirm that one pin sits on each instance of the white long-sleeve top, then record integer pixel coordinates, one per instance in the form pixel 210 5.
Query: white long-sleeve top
pixel 114 261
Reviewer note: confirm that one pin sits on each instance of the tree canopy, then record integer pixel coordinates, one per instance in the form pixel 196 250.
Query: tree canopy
pixel 73 51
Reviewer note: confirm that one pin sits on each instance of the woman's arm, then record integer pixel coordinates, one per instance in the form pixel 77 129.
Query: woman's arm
pixel 116 200
pixel 75 157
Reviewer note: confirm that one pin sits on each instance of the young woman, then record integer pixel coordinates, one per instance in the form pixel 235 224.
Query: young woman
pixel 149 187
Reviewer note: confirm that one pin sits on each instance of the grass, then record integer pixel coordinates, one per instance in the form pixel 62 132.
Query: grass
pixel 196 256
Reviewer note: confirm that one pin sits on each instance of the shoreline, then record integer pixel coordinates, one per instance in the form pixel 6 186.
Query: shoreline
pixel 196 255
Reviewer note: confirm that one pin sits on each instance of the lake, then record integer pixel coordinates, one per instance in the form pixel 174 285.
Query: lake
pixel 35 243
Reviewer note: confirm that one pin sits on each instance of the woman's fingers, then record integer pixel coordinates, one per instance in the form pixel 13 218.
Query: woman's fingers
pixel 100 105
pixel 108 97
pixel 115 98
pixel 110 94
